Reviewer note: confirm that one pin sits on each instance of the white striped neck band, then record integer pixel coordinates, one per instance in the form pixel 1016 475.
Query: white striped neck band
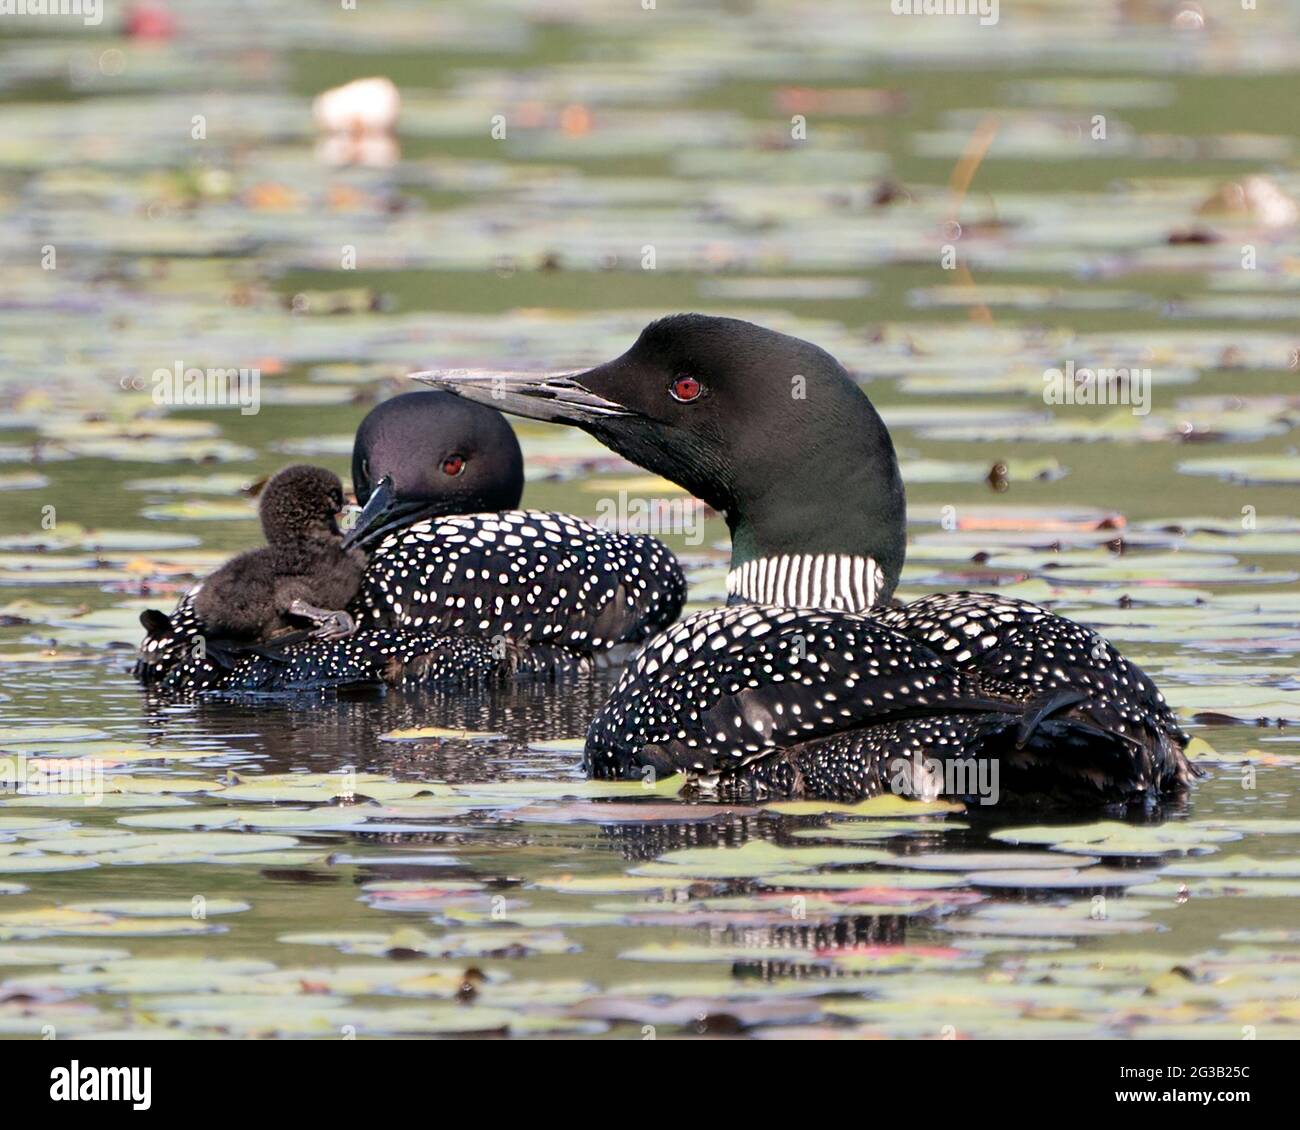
pixel 837 581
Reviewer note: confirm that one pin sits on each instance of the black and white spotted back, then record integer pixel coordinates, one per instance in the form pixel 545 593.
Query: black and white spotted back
pixel 454 600
pixel 525 575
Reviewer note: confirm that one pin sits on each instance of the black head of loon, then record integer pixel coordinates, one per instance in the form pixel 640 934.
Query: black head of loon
pixel 765 427
pixel 425 454
pixel 299 507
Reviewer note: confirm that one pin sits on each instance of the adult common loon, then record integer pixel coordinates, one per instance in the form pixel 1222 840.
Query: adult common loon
pixel 809 681
pixel 461 586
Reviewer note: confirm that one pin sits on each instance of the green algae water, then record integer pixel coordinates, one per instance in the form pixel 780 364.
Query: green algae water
pixel 420 863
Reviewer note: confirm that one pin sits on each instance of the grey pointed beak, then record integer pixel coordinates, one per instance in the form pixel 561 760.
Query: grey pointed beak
pixel 557 398
pixel 382 513
pixel 381 498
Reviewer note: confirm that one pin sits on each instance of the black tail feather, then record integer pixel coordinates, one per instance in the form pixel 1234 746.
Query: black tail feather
pixel 157 625
pixel 1043 708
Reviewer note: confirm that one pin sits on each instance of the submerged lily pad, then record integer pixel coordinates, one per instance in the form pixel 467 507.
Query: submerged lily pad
pixel 260 818
pixel 279 788
pixel 437 733
pixel 1048 921
pixel 1227 866
pixel 863 830
pixel 885 805
pixel 194 847
pixel 1260 469
pixel 1063 879
pixel 988 861
pixel 612 884
pixel 36 862
pixel 754 859
pixel 1110 838
pixel 74 922
pixel 46 953
pixel 503 942
pixel 584 789
pixel 162 908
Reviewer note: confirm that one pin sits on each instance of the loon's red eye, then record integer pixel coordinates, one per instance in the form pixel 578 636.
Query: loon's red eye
pixel 453 465
pixel 686 389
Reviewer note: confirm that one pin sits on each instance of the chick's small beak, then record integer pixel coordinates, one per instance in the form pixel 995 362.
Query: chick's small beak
pixel 555 397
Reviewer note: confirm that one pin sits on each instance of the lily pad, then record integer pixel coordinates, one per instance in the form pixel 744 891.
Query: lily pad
pixel 754 859
pixel 988 861
pixel 1111 838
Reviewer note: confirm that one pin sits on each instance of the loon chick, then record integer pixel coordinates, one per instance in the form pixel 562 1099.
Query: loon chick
pixel 808 681
pixel 461 586
pixel 302 573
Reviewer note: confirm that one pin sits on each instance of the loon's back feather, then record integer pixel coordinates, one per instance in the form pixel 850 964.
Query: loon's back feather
pixel 525 575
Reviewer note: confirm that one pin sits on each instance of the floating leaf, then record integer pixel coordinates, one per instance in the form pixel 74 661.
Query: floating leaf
pixel 885 805
pixel 297 819
pixel 1259 469
pixel 987 861
pixel 34 862
pixel 611 812
pixel 437 733
pixel 1064 879
pixel 753 859
pixel 1047 922
pixel 611 884
pixel 690 952
pixel 279 788
pixel 194 847
pixel 557 790
pixel 1112 838
pixel 863 830
pixel 1233 866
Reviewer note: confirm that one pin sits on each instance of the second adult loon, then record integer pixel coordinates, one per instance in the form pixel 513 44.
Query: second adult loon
pixel 460 585
pixel 808 681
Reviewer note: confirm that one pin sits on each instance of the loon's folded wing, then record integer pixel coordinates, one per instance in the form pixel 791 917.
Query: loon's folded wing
pixel 731 686
pixel 1021 650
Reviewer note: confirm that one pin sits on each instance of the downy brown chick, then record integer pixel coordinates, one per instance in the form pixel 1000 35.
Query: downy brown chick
pixel 303 573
